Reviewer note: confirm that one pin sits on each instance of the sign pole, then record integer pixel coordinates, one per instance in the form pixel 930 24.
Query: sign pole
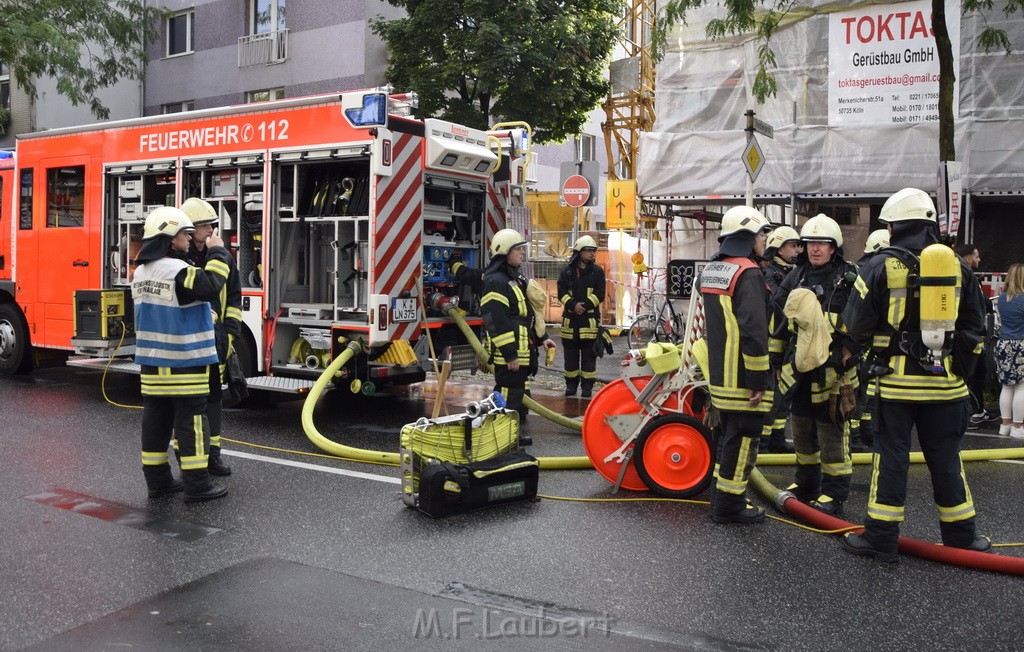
pixel 750 134
pixel 576 208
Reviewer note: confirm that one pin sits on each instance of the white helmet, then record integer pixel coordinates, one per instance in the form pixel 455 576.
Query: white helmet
pixel 781 235
pixel 822 228
pixel 166 220
pixel 742 218
pixel 877 239
pixel 584 242
pixel 908 204
pixel 199 211
pixel 504 241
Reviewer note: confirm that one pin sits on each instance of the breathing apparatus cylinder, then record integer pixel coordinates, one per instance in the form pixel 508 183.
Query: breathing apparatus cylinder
pixel 938 276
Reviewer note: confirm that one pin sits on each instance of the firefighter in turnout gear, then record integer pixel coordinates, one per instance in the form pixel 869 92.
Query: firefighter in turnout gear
pixel 780 255
pixel 779 258
pixel 175 346
pixel 581 290
pixel 820 431
pixel 736 329
pixel 509 319
pixel 860 421
pixel 228 325
pixel 923 348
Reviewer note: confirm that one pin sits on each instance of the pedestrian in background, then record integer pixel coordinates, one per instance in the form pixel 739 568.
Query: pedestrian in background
pixel 979 379
pixel 1010 353
pixel 581 291
pixel 736 329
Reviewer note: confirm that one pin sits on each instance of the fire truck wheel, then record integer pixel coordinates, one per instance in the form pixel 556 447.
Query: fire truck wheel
pixel 15 348
pixel 674 455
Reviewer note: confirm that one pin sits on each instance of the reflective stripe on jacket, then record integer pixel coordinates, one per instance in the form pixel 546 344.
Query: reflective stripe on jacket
pixel 736 329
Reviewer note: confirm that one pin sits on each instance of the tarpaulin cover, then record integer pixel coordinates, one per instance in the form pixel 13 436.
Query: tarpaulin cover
pixel 704 88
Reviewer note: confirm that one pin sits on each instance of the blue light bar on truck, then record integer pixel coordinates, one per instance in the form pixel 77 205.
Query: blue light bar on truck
pixel 373 112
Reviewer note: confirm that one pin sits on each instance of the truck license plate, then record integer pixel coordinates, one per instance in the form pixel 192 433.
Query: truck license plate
pixel 403 310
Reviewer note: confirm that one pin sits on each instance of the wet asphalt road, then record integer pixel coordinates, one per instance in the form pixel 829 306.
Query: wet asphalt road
pixel 311 556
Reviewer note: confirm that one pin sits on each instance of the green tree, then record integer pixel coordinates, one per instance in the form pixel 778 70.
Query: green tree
pixel 763 18
pixel 85 45
pixel 540 61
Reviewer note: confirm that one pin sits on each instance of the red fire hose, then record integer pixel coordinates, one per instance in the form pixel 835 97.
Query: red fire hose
pixel 787 502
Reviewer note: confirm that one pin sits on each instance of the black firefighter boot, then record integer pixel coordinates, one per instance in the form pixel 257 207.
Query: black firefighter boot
pixel 777 442
pixel 199 488
pixel 571 385
pixel 160 481
pixel 857 443
pixel 217 465
pixel 587 389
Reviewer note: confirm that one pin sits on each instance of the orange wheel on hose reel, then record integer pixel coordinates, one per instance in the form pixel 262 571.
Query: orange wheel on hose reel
pixel 674 455
pixel 599 440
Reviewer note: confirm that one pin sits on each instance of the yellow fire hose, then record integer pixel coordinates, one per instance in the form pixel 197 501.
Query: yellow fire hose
pixel 382 457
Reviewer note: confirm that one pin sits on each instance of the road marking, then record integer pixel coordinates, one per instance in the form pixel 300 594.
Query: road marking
pixel 314 467
pixel 168 526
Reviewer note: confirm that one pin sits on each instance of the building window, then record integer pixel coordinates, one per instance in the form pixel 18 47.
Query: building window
pixel 179 33
pixel 265 95
pixel 585 147
pixel 266 16
pixel 177 107
pixel 65 196
pixel 5 87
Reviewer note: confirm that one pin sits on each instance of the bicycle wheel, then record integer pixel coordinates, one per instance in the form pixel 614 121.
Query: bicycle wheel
pixel 677 336
pixel 642 331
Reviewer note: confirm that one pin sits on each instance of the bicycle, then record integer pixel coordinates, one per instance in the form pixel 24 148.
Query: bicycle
pixel 664 325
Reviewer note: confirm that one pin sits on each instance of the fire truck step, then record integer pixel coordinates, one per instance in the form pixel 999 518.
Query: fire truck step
pixel 285 385
pixel 126 366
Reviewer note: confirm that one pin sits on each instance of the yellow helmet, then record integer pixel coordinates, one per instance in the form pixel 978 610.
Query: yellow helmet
pixel 199 211
pixel 877 239
pixel 742 218
pixel 504 241
pixel 166 220
pixel 822 228
pixel 781 235
pixel 908 204
pixel 585 242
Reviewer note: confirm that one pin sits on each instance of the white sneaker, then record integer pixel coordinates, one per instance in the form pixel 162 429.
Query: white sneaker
pixel 1017 433
pixel 1004 430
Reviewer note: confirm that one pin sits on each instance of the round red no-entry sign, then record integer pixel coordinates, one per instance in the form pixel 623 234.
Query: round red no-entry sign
pixel 576 190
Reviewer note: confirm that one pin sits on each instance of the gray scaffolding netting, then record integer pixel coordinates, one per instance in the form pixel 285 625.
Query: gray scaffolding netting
pixel 704 88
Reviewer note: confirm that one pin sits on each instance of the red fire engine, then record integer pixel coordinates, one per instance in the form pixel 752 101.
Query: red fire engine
pixel 344 213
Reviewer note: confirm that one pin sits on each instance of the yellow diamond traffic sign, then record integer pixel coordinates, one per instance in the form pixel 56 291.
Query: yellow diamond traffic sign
pixel 753 158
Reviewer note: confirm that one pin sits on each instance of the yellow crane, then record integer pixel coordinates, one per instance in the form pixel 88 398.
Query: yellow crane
pixel 629 108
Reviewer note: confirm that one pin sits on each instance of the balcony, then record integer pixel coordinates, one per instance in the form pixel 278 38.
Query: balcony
pixel 267 48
